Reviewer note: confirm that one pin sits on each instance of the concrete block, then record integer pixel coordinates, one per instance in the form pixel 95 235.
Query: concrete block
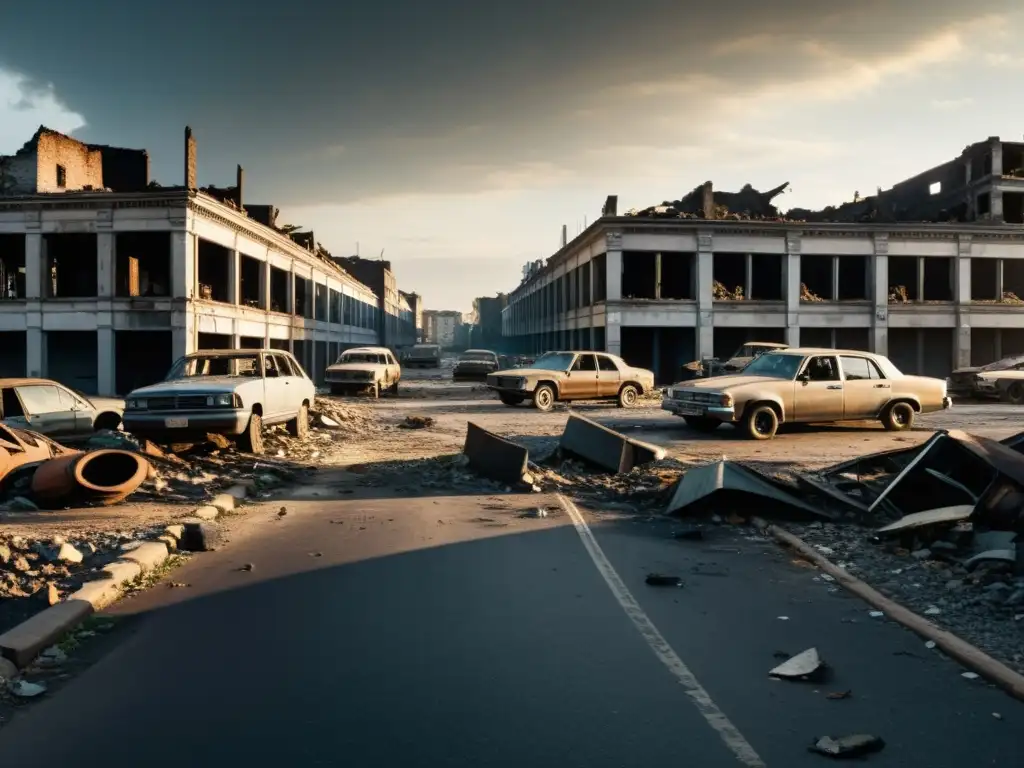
pixel 493 456
pixel 239 491
pixel 149 556
pixel 604 447
pixel 99 594
pixel 248 483
pixel 122 570
pixel 170 541
pixel 209 512
pixel 177 531
pixel 224 502
pixel 23 643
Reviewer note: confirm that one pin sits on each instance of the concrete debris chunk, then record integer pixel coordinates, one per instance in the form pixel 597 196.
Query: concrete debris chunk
pixel 495 457
pixel 939 516
pixel 201 537
pixel 417 422
pixel 23 689
pixel 803 666
pixel 995 555
pixel 604 447
pixel 845 747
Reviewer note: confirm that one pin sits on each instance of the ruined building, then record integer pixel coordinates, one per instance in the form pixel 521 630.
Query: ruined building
pixel 929 272
pixel 106 277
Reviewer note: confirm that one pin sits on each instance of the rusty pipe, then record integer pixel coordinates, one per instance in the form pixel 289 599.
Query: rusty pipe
pixel 100 477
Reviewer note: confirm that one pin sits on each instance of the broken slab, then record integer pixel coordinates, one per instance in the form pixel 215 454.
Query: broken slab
pixel 954 514
pixel 804 665
pixel 993 556
pixel 493 456
pixel 847 747
pixel 736 488
pixel 604 447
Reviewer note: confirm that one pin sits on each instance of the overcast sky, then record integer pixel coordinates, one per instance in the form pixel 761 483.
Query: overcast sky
pixel 459 136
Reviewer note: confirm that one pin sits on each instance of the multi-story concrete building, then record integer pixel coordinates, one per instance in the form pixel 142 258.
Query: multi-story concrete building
pixel 485 320
pixel 441 326
pixel 396 322
pixel 415 302
pixel 669 286
pixel 103 287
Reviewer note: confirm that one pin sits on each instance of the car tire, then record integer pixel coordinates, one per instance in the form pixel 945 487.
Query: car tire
pixel 107 420
pixel 336 389
pixel 299 426
pixel 761 423
pixel 702 423
pixel 251 441
pixel 394 389
pixel 1014 393
pixel 510 400
pixel 376 390
pixel 898 417
pixel 544 398
pixel 628 396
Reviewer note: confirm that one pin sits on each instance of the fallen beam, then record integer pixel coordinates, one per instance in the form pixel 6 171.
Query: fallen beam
pixel 604 447
pixel 493 456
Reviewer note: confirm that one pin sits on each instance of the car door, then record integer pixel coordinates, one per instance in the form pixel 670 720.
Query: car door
pixel 277 387
pixel 818 395
pixel 44 412
pixel 84 413
pixel 300 386
pixel 394 369
pixel 609 377
pixel 581 381
pixel 865 389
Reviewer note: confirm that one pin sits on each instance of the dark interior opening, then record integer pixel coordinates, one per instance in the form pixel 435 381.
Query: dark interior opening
pixel 903 279
pixel 71 359
pixel 250 284
pixel 141 358
pixel 72 266
pixel 984 204
pixel 279 294
pixel 1013 207
pixel 938 278
pixel 320 302
pixel 677 277
pixel 214 341
pixel 729 273
pixel 214 282
pixel 816 278
pixel 766 279
pixel 585 276
pixel 984 285
pixel 109 470
pixel 142 264
pixel 853 278
pixel 12 266
pixel 1013 160
pixel 638 275
pixel 1013 280
pixel 601 278
pixel 334 309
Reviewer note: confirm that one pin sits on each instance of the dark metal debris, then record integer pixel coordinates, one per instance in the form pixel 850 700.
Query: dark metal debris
pixel 658 580
pixel 845 747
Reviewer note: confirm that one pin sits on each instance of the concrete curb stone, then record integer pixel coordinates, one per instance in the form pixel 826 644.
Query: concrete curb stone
pixel 971 657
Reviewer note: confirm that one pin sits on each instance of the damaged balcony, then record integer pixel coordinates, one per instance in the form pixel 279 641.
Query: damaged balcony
pixel 834 279
pixel 12 266
pixel 648 276
pixel 142 266
pixel 71 266
pixel 997 282
pixel 754 277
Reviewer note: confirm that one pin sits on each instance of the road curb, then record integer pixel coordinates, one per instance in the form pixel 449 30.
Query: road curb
pixel 22 643
pixel 969 656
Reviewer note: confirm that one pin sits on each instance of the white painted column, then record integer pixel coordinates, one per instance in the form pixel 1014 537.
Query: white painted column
pixel 183 265
pixel 880 295
pixel 265 284
pixel 793 289
pixel 748 269
pixel 920 278
pixel 962 296
pixel 106 369
pixel 35 257
pixel 234 277
pixel 105 265
pixel 613 281
pixel 999 280
pixel 704 277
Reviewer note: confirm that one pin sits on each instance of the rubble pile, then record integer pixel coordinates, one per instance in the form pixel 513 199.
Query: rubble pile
pixel 719 292
pixel 705 202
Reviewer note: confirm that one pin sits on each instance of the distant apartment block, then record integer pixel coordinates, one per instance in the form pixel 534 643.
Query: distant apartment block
pixel 441 326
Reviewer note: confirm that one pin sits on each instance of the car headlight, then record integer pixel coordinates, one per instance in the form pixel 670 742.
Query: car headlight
pixel 226 400
pixel 136 405
pixel 670 393
pixel 726 400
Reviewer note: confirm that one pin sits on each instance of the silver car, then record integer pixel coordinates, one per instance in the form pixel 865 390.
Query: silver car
pixel 226 392
pixel 52 409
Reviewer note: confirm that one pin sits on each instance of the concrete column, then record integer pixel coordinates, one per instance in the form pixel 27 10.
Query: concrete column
pixel 999 279
pixel 291 290
pixel 962 296
pixel 880 296
pixel 748 269
pixel 105 245
pixel 920 278
pixel 35 257
pixel 613 333
pixel 106 369
pixel 234 277
pixel 657 276
pixel 183 265
pixel 34 358
pixel 613 266
pixel 835 278
pixel 705 302
pixel 792 289
pixel 265 288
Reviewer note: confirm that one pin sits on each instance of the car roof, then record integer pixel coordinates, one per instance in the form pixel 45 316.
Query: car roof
pixel 580 352
pixel 485 351
pixel 233 352
pixel 375 350
pixel 826 351
pixel 772 344
pixel 24 382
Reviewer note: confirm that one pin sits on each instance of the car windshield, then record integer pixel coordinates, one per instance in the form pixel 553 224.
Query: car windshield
pixel 477 357
pixel 554 361
pixel 216 365
pixel 360 357
pixel 776 365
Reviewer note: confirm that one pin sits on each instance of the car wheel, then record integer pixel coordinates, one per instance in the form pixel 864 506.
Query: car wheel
pixel 628 396
pixel 761 423
pixel 544 398
pixel 376 390
pixel 898 417
pixel 251 441
pixel 394 389
pixel 299 426
pixel 1014 393
pixel 510 400
pixel 702 423
pixel 336 389
pixel 109 421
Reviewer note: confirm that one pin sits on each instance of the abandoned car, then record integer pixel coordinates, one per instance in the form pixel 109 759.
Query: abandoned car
pixel 364 369
pixel 475 364
pixel 423 356
pixel 739 360
pixel 572 376
pixel 234 393
pixel 807 385
pixel 1002 380
pixel 53 410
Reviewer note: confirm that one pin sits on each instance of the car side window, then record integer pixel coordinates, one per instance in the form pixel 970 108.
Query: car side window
pixel 860 369
pixel 11 404
pixel 40 398
pixel 281 363
pixel 71 402
pixel 297 369
pixel 823 369
pixel 605 363
pixel 585 363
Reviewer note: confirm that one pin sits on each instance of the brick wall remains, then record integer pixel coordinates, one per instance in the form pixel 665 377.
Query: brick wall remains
pixel 83 166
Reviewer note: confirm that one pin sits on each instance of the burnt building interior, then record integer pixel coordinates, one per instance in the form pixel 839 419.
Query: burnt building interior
pixel 661 350
pixel 748 276
pixel 834 278
pixel 214 271
pixel 72 266
pixel 922 351
pixel 12 266
pixel 142 264
pixel 997 281
pixel 250 282
pixel 921 279
pixel 140 358
pixel 280 295
pixel 659 276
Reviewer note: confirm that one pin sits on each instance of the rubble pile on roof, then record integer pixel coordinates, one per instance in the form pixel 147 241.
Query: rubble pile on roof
pixel 705 202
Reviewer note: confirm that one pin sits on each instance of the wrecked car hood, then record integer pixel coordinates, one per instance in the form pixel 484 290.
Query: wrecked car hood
pixel 196 384
pixel 340 367
pixel 716 383
pixel 488 364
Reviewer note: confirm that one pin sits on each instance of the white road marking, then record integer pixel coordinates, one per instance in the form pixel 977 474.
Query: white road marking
pixel 728 732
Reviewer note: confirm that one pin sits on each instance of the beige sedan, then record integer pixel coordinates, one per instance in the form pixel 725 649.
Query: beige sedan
pixel 807 385
pixel 364 369
pixel 572 376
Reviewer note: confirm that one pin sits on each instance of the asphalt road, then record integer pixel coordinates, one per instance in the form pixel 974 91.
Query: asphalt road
pixel 450 631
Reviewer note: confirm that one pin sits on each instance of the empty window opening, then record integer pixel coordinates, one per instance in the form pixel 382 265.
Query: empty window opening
pixel 12 267
pixel 1011 343
pixel 14 360
pixel 729 276
pixel 935 188
pixel 214 281
pixel 986 168
pixel 903 279
pixel 816 278
pixel 572 288
pixel 639 275
pixel 600 278
pixel 214 341
pixel 984 345
pixel 853 278
pixel 142 264
pixel 71 266
pixel 984 205
pixel 320 303
pixel 1013 160
pixel 766 277
pixel 62 177
pixel 334 310
pixel 823 338
pixel 677 276
pixel 304 298
pixel 141 358
pixel 1013 207
pixel 71 359
pixel 853 338
pixel 938 278
pixel 279 294
pixel 1013 281
pixel 984 280
pixel 250 282
pixel 250 342
pixel 585 279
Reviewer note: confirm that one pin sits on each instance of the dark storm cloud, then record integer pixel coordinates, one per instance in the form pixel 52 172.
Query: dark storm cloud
pixel 448 95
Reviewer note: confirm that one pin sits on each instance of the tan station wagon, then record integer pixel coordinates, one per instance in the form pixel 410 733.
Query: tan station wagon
pixel 364 369
pixel 572 376
pixel 807 385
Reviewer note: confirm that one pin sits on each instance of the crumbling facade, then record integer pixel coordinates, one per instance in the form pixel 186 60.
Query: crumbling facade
pixel 441 326
pixel 102 289
pixel 486 321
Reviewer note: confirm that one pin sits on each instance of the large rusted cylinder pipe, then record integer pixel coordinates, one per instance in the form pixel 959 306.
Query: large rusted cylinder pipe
pixel 97 477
